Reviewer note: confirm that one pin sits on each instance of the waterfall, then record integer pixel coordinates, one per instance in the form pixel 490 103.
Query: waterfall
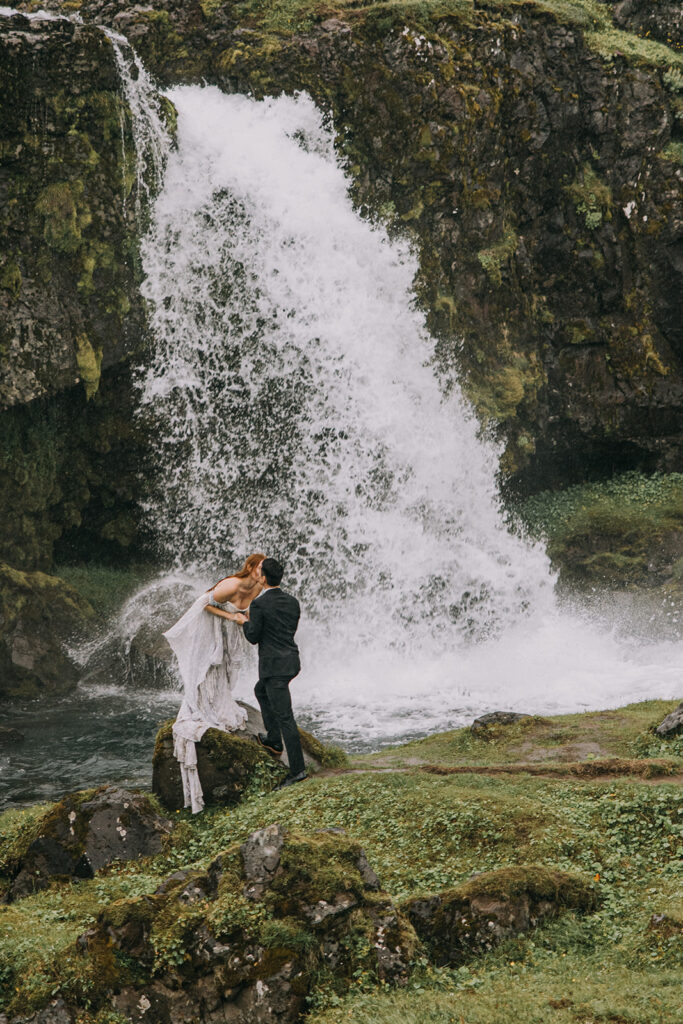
pixel 151 138
pixel 293 407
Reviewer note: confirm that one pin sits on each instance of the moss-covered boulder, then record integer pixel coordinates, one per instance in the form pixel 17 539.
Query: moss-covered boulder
pixel 230 763
pixel 209 946
pixel 496 905
pixel 80 835
pixel 38 615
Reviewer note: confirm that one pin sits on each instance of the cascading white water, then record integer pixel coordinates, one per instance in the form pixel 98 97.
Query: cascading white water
pixel 293 409
pixel 152 141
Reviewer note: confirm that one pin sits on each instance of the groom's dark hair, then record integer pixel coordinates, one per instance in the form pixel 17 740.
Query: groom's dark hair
pixel 273 571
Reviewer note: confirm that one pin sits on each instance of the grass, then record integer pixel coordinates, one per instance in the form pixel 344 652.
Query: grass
pixel 104 587
pixel 425 832
pixel 609 530
pixel 623 733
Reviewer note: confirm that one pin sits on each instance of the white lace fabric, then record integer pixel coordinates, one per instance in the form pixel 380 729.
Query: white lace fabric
pixel 210 650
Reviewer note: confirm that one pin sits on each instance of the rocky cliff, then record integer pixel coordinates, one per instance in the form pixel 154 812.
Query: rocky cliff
pixel 71 312
pixel 533 151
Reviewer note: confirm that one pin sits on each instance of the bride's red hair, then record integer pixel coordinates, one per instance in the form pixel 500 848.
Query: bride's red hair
pixel 250 564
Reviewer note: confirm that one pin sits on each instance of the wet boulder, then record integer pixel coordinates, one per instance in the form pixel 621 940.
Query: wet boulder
pixel 228 762
pixel 672 724
pixel 496 905
pixel 81 834
pixel 245 939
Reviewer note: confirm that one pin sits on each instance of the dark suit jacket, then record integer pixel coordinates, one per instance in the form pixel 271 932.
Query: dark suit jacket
pixel 273 618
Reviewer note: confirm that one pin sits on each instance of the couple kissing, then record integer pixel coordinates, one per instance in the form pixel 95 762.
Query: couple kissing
pixel 211 641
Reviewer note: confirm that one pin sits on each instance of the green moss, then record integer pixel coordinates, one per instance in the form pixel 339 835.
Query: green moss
pixel 612 43
pixel 673 152
pixel 616 733
pixel 496 256
pixel 10 278
pixel 592 198
pixel 421 833
pixel 65 215
pixel 535 881
pixel 329 757
pixel 89 363
pixel 607 531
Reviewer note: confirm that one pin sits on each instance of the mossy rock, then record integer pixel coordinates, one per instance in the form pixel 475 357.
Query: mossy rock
pixel 231 764
pixel 460 923
pixel 38 613
pixel 81 834
pixel 253 951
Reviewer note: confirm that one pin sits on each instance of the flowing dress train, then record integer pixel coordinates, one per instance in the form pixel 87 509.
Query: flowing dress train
pixel 210 651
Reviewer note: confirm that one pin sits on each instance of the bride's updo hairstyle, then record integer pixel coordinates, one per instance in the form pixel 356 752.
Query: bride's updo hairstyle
pixel 249 565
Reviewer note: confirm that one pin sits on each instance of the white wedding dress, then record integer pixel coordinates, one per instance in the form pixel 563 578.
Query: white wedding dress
pixel 210 651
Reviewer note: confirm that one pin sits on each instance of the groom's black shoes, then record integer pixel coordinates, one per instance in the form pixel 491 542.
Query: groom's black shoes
pixel 264 742
pixel 291 779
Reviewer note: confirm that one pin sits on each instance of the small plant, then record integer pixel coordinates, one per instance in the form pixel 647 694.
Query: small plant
pixel 592 198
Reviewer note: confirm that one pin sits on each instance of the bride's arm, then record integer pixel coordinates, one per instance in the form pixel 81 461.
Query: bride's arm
pixel 223 591
pixel 221 613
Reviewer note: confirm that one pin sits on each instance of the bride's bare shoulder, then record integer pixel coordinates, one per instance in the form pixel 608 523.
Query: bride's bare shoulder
pixel 226 589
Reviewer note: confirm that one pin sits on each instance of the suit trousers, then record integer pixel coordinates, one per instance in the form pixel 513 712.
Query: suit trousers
pixel 275 702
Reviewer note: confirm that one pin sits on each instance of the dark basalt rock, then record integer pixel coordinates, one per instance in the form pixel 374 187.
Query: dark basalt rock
pixel 68 283
pixel 482 725
pixel 71 315
pixel 672 724
pixel 83 833
pixel 226 762
pixel 460 923
pixel 661 20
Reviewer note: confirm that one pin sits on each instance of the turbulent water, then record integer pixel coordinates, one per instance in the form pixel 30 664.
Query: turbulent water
pixel 293 407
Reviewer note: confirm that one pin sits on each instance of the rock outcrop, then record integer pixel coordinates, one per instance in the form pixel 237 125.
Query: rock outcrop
pixel 243 940
pixel 38 614
pixel 497 905
pixel 228 763
pixel 672 725
pixel 68 282
pixel 82 834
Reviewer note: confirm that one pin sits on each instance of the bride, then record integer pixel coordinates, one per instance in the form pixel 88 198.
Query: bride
pixel 210 647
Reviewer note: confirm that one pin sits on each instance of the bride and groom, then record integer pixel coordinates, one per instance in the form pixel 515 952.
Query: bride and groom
pixel 210 643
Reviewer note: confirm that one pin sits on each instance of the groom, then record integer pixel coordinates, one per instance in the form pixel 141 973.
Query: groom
pixel 272 622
